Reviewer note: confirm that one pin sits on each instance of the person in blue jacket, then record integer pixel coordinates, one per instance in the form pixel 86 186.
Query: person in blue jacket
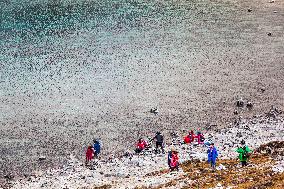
pixel 97 148
pixel 212 155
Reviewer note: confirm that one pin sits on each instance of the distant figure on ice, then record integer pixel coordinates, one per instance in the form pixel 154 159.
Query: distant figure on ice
pixel 173 159
pixel 97 148
pixel 89 155
pixel 212 155
pixel 244 153
pixel 159 141
pixel 140 146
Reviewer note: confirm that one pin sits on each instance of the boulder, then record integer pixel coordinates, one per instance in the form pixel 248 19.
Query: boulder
pixel 249 105
pixel 41 158
pixel 240 103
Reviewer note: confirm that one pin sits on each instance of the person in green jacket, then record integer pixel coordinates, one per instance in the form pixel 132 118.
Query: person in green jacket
pixel 244 153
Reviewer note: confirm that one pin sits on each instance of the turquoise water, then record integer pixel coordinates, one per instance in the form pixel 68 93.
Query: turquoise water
pixel 47 17
pixel 108 52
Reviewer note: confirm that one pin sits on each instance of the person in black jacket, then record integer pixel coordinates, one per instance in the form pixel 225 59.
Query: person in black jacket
pixel 159 141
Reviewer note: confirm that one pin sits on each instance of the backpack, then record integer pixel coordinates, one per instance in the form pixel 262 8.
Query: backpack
pixel 159 138
pixel 202 138
pixel 97 147
pixel 169 157
pixel 246 153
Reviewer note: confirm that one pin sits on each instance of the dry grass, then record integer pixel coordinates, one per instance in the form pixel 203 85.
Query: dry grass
pixel 103 187
pixel 258 175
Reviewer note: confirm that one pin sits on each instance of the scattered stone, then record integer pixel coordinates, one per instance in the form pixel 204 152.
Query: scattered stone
pixel 274 112
pixel 239 135
pixel 9 177
pixel 41 158
pixel 107 175
pixel 240 103
pixel 249 105
pixel 43 184
pixel 262 89
pixel 154 111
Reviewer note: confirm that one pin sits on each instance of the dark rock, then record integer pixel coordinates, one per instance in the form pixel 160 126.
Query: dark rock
pixel 269 34
pixel 262 89
pixel 42 158
pixel 9 177
pixel 249 105
pixel 240 103
pixel 107 175
pixel 154 111
pixel 236 112
pixel 249 10
pixel 246 127
pixel 239 135
pixel 273 112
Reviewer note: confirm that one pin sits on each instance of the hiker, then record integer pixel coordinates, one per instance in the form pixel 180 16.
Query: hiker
pixel 212 155
pixel 89 155
pixel 159 141
pixel 173 160
pixel 187 139
pixel 244 153
pixel 207 142
pixel 200 137
pixel 140 146
pixel 97 148
pixel 191 136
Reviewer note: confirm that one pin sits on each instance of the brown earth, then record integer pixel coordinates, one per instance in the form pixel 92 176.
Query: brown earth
pixel 257 175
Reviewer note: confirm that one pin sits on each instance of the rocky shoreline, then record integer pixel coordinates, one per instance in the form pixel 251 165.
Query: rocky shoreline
pixel 150 170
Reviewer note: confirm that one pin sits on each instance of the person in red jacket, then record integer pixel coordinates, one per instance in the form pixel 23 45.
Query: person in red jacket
pixel 141 145
pixel 192 136
pixel 174 164
pixel 200 137
pixel 89 155
pixel 187 139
